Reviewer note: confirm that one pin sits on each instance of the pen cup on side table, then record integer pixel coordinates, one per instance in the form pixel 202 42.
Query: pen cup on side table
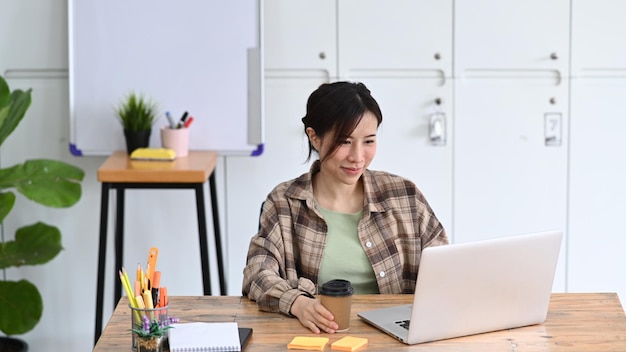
pixel 176 139
pixel 150 329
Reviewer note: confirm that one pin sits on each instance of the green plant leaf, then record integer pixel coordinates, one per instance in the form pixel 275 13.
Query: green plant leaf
pixel 48 182
pixel 5 93
pixel 34 244
pixel 21 306
pixel 136 113
pixel 12 113
pixel 7 200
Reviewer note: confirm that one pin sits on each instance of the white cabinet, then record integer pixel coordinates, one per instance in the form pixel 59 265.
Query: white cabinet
pixel 503 35
pixel 394 35
pixel 597 186
pixel 531 144
pixel 409 75
pixel 511 119
pixel 308 43
pixel 598 32
pixel 597 166
pixel 36 45
pixel 301 35
pixel 506 179
pixel 404 146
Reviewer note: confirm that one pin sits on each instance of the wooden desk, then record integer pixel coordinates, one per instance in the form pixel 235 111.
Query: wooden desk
pixel 119 172
pixel 575 322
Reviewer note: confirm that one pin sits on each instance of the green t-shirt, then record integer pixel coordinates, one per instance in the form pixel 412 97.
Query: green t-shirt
pixel 343 256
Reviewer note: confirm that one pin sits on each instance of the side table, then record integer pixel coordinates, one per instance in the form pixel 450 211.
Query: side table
pixel 119 172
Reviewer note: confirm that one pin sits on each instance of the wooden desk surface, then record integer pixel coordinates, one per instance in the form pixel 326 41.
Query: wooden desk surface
pixel 575 322
pixel 194 168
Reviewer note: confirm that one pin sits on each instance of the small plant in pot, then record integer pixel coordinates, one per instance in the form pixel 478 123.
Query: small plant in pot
pixel 137 115
pixel 48 182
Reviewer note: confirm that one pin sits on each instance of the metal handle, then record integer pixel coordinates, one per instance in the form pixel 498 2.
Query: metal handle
pixel 437 128
pixel 552 128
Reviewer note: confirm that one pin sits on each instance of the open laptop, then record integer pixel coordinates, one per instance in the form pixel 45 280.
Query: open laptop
pixel 470 288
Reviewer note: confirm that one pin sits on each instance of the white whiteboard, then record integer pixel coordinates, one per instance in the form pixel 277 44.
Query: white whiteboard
pixel 203 57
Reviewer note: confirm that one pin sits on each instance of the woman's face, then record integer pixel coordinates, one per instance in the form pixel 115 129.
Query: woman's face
pixel 349 161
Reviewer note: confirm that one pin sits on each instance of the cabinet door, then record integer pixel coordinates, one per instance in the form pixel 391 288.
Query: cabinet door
pixel 249 179
pixel 597 186
pixel 506 179
pixel 597 167
pixel 394 35
pixel 505 35
pixel 34 37
pixel 301 35
pixel 404 146
pixel 598 29
pixel 49 97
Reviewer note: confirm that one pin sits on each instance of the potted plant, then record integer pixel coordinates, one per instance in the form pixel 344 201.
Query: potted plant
pixel 48 182
pixel 150 335
pixel 137 115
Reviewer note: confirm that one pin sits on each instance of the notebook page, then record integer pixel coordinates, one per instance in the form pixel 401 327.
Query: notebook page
pixel 200 336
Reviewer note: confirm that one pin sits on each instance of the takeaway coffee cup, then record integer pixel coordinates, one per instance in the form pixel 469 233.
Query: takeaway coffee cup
pixel 336 296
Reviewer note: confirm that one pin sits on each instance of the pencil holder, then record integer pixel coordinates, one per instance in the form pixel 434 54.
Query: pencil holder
pixel 176 139
pixel 150 329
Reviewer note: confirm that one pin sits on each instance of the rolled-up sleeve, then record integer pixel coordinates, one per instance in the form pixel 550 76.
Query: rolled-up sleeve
pixel 270 275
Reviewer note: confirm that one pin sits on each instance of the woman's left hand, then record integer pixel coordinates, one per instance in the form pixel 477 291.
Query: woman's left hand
pixel 313 315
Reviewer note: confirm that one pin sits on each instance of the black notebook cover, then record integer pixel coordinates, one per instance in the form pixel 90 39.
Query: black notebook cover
pixel 244 336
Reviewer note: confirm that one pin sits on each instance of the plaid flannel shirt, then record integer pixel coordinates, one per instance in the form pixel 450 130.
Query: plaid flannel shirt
pixel 285 255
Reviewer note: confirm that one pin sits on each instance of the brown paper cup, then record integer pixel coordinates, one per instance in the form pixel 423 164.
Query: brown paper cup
pixel 336 296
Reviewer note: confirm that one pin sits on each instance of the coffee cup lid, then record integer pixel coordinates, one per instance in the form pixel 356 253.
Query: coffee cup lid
pixel 337 287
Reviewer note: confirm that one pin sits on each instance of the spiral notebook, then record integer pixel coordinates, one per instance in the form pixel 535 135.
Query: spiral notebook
pixel 201 337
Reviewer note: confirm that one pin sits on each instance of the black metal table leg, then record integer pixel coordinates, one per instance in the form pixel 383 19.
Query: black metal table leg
pixel 217 234
pixel 204 246
pixel 119 243
pixel 104 214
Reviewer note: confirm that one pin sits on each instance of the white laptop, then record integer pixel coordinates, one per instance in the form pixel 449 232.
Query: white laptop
pixel 471 288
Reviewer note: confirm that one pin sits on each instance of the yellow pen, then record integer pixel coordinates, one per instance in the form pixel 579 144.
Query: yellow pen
pixel 147 301
pixel 139 301
pixel 129 290
pixel 131 298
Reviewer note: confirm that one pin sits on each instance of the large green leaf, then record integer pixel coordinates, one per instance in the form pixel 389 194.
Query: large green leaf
pixel 12 113
pixel 5 93
pixel 48 182
pixel 21 306
pixel 34 244
pixel 7 200
pixel 5 96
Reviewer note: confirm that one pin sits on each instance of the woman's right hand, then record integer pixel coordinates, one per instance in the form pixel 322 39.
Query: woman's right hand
pixel 313 315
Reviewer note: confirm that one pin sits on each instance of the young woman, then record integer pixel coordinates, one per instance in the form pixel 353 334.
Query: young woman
pixel 339 220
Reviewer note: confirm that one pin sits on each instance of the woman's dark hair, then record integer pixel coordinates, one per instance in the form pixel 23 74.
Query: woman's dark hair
pixel 339 107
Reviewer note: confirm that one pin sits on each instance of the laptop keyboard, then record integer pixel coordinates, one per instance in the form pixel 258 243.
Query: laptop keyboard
pixel 404 323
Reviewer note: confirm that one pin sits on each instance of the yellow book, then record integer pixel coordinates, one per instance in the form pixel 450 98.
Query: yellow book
pixel 349 343
pixel 308 343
